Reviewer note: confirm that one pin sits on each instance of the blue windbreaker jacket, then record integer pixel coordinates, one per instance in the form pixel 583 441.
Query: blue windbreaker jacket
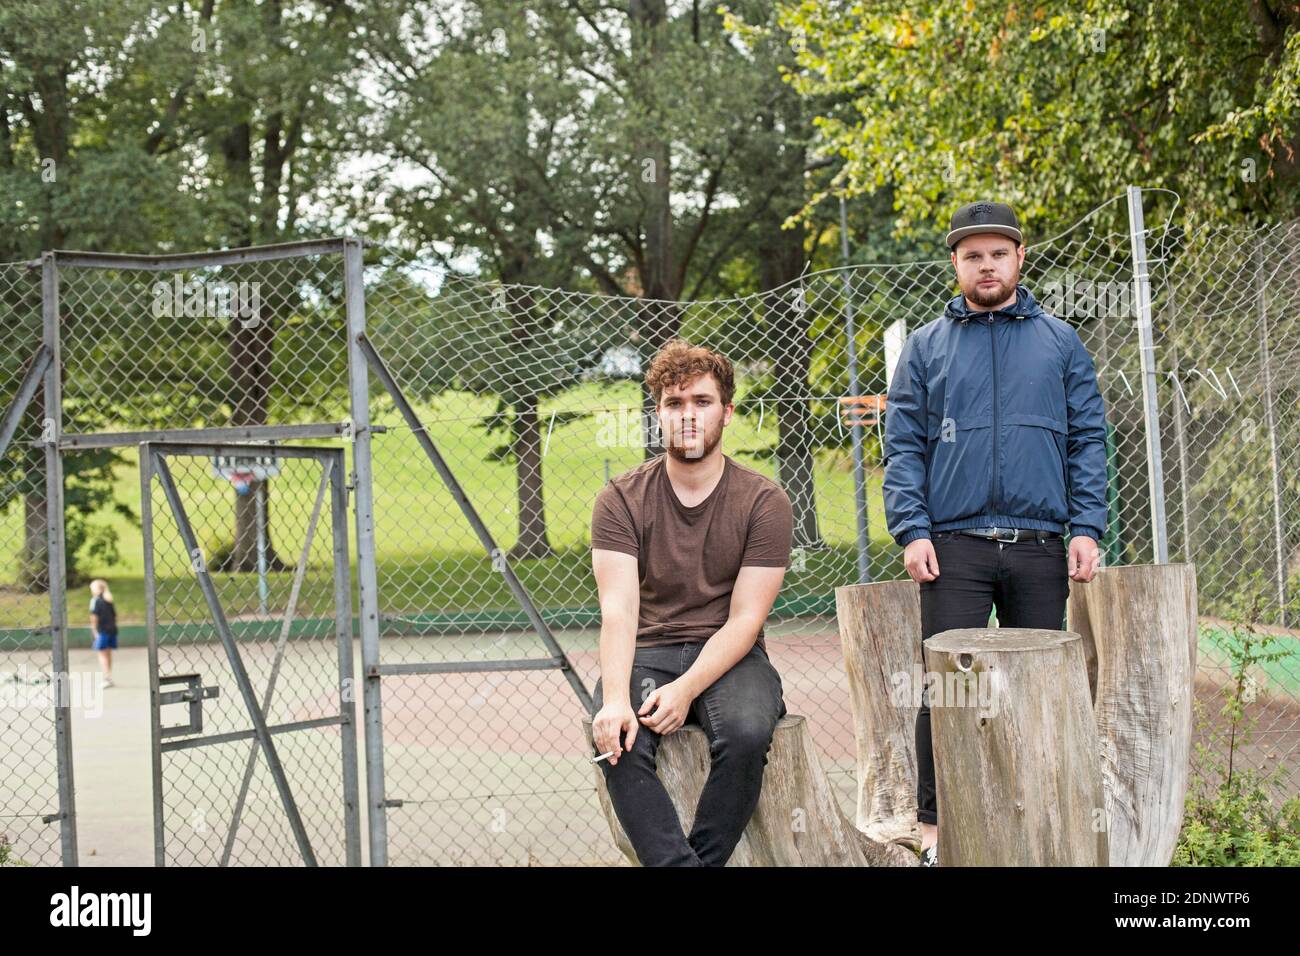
pixel 995 418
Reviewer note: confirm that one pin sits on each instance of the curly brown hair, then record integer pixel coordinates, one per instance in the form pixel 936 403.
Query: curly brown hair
pixel 679 362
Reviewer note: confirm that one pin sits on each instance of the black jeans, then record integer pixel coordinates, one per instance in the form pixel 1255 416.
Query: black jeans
pixel 1027 581
pixel 738 712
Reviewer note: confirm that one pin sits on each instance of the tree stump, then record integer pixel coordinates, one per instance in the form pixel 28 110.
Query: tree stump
pixel 798 821
pixel 880 633
pixel 1018 781
pixel 1138 625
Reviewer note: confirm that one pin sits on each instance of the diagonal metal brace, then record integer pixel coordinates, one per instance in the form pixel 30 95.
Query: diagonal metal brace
pixel 471 514
pixel 36 369
pixel 285 625
pixel 236 662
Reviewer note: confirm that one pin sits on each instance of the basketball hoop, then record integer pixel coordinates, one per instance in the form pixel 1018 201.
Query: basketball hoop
pixel 862 409
pixel 242 470
pixel 243 481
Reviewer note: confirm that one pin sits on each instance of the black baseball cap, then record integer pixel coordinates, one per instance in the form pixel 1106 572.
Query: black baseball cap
pixel 984 217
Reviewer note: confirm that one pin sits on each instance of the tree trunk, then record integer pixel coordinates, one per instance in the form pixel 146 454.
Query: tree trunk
pixel 526 329
pixel 1138 625
pixel 659 320
pixel 34 561
pixel 1015 749
pixel 251 345
pixel 781 258
pixel 525 430
pixel 798 821
pixel 880 632
pixel 250 354
pixel 53 132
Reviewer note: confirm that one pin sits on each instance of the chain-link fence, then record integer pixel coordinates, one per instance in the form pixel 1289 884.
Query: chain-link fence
pixel 529 399
pixel 231 346
pixel 30 805
pixel 1228 357
pixel 284 641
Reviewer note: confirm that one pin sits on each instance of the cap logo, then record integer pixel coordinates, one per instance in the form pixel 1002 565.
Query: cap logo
pixel 981 211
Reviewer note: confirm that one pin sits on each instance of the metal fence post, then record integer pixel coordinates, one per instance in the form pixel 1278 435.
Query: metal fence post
pixel 859 474
pixel 57 557
pixel 1150 394
pixel 1279 538
pixel 367 577
pixel 146 455
pixel 343 634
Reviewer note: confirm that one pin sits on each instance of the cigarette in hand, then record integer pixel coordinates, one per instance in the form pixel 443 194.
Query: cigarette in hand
pixel 602 757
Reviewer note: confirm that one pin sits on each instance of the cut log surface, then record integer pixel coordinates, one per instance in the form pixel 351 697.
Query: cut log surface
pixel 880 633
pixel 1138 624
pixel 798 821
pixel 1018 782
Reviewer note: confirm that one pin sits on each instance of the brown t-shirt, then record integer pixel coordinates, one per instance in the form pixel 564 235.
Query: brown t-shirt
pixel 688 558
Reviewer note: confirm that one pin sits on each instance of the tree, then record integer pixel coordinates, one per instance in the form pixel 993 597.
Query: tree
pixel 58 62
pixel 492 123
pixel 1053 106
pixel 263 113
pixel 772 175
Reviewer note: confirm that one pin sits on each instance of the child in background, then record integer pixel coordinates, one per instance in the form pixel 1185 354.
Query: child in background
pixel 103 622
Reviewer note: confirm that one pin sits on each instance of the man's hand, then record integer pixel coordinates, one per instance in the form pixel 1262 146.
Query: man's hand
pixel 920 560
pixel 614 718
pixel 1085 559
pixel 671 703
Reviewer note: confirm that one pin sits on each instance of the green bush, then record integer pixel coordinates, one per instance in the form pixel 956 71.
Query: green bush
pixel 1229 818
pixel 1239 826
pixel 7 857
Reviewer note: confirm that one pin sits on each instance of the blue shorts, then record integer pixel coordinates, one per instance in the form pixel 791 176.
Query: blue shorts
pixel 105 642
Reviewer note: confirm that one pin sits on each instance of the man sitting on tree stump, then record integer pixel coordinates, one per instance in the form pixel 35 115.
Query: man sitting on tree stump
pixel 689 550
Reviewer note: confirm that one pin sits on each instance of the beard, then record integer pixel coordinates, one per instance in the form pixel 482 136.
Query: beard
pixel 993 296
pixel 685 453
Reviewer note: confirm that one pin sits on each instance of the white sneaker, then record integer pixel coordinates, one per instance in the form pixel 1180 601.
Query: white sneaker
pixel 108 682
pixel 930 856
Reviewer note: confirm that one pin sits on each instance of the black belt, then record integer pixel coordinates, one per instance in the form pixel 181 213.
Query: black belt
pixel 1010 535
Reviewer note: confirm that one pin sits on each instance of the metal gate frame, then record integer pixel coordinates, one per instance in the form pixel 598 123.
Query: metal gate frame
pixel 47 364
pixel 153 463
pixel 43 371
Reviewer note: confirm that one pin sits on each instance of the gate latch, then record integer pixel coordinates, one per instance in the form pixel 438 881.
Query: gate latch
pixel 194 693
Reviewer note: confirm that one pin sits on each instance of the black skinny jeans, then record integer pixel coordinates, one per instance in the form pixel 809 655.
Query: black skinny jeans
pixel 1027 581
pixel 738 712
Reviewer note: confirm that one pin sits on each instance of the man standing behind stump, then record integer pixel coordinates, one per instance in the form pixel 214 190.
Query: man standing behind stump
pixel 995 441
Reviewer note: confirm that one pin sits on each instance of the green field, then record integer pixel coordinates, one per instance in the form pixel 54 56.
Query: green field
pixel 430 562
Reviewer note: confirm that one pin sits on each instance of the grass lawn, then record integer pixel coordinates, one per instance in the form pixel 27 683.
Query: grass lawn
pixel 429 558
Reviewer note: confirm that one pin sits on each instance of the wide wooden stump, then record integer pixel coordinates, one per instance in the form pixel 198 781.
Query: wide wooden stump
pixel 798 821
pixel 1138 625
pixel 880 633
pixel 1018 782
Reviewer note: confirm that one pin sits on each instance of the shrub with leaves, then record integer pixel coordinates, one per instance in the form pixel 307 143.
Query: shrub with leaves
pixel 1230 818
